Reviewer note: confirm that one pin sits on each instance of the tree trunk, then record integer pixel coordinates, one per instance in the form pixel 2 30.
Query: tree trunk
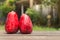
pixel 59 11
pixel 31 3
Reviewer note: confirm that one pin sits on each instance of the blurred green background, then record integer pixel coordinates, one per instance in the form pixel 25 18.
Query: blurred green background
pixel 38 13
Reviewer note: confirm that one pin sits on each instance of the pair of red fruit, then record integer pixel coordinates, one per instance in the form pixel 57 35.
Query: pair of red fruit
pixel 12 24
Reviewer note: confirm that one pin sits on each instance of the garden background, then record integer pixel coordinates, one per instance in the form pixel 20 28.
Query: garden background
pixel 45 14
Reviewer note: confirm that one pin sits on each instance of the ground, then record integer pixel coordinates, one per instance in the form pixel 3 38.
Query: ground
pixel 35 35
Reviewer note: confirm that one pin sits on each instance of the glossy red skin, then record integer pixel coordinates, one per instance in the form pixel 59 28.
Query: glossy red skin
pixel 11 25
pixel 25 24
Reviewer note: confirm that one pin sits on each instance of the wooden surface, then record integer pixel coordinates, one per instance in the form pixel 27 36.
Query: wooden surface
pixel 35 35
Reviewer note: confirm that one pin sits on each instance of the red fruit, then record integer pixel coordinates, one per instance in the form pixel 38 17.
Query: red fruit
pixel 25 24
pixel 11 25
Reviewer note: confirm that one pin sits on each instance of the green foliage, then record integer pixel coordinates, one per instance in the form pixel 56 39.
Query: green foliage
pixel 54 1
pixel 2 27
pixel 49 2
pixel 12 2
pixel 36 17
pixel 46 2
pixel 43 28
pixel 36 28
pixel 7 8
